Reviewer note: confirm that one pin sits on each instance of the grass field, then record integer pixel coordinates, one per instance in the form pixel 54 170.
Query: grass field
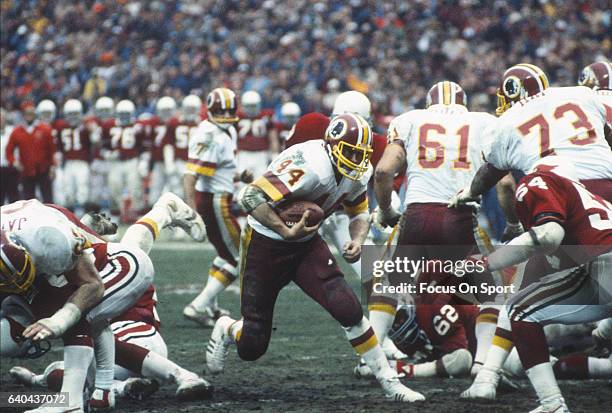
pixel 308 366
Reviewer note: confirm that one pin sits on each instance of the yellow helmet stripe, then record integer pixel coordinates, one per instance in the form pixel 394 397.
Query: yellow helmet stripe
pixel 447 93
pixel 228 98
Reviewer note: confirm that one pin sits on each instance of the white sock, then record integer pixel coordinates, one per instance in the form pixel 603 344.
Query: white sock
pixel 104 346
pixel 365 343
pixel 76 363
pixel 381 322
pixel 146 230
pixel 543 380
pixel 160 368
pixel 425 369
pixel 235 330
pixel 220 276
pixel 486 323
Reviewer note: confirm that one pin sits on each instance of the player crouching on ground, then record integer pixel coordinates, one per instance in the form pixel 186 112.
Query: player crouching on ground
pixel 328 172
pixel 50 257
pixel 140 351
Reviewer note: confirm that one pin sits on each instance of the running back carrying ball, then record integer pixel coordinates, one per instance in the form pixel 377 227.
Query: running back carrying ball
pixel 291 213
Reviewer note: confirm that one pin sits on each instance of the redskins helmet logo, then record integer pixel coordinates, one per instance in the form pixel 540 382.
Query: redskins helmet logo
pixel 338 129
pixel 512 87
pixel 587 77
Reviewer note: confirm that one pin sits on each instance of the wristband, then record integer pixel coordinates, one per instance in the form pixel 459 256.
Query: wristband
pixel 62 320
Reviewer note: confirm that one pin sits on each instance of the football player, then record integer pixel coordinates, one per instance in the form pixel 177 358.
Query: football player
pixel 557 210
pixel 140 351
pixel 103 113
pixel 74 143
pixel 598 76
pixel 156 138
pixel 176 143
pixel 329 172
pixel 257 137
pixel 123 140
pixel 209 178
pixel 536 121
pixel 440 147
pixel 46 111
pixel 290 113
pixel 66 270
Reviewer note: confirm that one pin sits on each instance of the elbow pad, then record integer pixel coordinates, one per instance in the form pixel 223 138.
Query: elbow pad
pixel 549 235
pixel 250 197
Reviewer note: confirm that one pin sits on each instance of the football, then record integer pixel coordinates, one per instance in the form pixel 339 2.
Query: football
pixel 292 212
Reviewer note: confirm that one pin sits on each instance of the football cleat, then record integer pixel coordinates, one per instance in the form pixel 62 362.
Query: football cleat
pixel 484 385
pixel 100 223
pixel 22 375
pixel 137 388
pixel 396 391
pixel 102 400
pixel 183 216
pixel 218 345
pixel 193 388
pixel 207 317
pixel 557 406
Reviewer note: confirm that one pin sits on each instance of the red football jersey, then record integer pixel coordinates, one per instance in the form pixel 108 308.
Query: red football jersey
pixel 449 326
pixel 544 196
pixel 178 134
pixel 154 131
pixel 254 132
pixel 129 140
pixel 144 310
pixel 73 142
pixel 283 130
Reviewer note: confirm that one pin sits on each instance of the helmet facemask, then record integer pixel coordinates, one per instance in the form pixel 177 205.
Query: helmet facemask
pixel 352 161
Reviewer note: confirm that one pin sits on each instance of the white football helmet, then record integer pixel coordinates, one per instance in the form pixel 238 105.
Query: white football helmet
pixel 290 112
pixel 125 112
pixel 191 107
pixel 46 111
pixel 73 111
pixel 16 312
pixel 251 103
pixel 353 102
pixel 104 108
pixel 165 108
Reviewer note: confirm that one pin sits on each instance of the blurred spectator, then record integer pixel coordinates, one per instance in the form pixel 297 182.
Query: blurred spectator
pixel 9 177
pixel 290 50
pixel 36 146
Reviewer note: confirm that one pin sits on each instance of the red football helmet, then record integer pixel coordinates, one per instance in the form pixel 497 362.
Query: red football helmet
pixel 17 269
pixel 309 127
pixel 221 105
pixel 519 82
pixel 597 75
pixel 350 139
pixel 446 93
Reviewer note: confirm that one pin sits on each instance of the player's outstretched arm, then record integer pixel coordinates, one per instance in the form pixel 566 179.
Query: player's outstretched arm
pixel 89 293
pixel 391 163
pixel 189 182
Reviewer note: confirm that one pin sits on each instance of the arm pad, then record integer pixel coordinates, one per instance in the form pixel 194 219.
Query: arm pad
pixel 547 236
pixel 250 197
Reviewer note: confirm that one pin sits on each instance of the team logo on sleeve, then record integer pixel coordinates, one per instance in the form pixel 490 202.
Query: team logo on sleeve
pixel 338 129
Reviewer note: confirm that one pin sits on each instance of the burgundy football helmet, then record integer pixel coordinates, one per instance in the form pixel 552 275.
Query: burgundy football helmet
pixel 446 93
pixel 17 269
pixel 221 105
pixel 597 75
pixel 350 139
pixel 519 82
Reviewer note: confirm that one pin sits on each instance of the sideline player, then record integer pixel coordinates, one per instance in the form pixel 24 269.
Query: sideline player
pixel 330 172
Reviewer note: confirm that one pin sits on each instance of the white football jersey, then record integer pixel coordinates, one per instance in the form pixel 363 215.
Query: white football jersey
pixel 212 158
pixel 52 241
pixel 444 145
pixel 305 172
pixel 605 97
pixel 568 121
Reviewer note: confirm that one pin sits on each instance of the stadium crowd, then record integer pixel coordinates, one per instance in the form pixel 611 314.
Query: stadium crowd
pixel 304 51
